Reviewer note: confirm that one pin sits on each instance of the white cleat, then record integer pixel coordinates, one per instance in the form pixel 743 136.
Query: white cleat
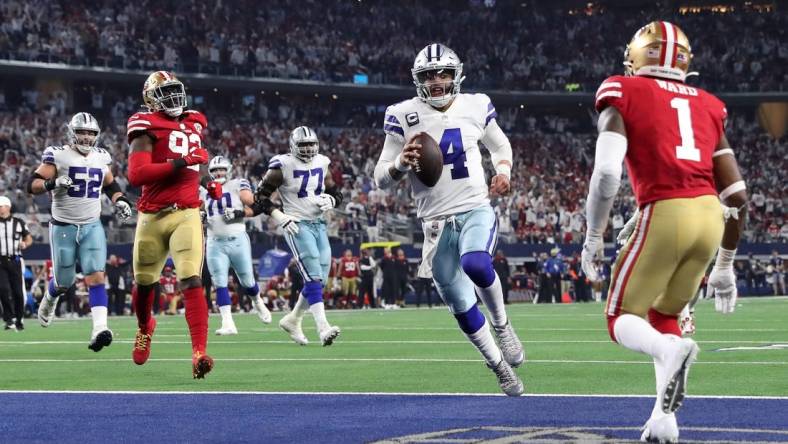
pixel 262 311
pixel 227 331
pixel 677 365
pixel 511 347
pixel 99 339
pixel 328 335
pixel 292 326
pixel 661 430
pixel 508 380
pixel 46 311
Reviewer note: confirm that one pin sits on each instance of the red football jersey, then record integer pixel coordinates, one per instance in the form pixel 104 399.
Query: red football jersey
pixel 172 138
pixel 169 284
pixel 348 267
pixel 672 131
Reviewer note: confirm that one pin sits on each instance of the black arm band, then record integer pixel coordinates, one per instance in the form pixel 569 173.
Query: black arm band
pixel 336 193
pixel 123 198
pixel 265 205
pixel 111 189
pixel 179 163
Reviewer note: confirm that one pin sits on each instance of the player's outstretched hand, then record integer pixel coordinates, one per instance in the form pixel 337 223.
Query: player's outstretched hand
pixel 198 156
pixel 500 185
pixel 722 285
pixel 593 245
pixel 123 209
pixel 286 222
pixel 232 215
pixel 628 228
pixel 214 190
pixel 324 201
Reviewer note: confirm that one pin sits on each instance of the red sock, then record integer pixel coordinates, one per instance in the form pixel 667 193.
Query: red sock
pixel 665 324
pixel 142 303
pixel 197 317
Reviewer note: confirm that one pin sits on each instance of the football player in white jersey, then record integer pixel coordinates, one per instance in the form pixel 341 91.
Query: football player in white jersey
pixel 460 226
pixel 228 244
pixel 307 191
pixel 76 174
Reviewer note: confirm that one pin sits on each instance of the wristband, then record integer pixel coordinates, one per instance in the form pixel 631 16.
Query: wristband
pixel 400 166
pixel 505 169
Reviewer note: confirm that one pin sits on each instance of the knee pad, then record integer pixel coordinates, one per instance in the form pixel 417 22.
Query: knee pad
pixel 611 324
pixel 665 324
pixel 470 321
pixel 478 266
pixel 313 292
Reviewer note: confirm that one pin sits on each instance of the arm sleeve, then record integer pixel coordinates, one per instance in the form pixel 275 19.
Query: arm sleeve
pixel 392 146
pixel 611 148
pixel 142 170
pixel 498 144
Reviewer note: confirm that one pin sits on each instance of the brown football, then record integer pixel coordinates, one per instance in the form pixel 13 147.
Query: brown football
pixel 430 165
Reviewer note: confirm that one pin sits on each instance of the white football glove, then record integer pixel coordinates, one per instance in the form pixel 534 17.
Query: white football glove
pixel 232 215
pixel 123 209
pixel 629 227
pixel 324 201
pixel 722 282
pixel 286 222
pixel 63 182
pixel 594 245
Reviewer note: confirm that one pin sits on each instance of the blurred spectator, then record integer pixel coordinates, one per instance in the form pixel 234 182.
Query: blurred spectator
pixel 501 266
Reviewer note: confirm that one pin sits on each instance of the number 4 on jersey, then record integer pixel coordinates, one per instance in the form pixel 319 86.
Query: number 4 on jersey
pixel 454 153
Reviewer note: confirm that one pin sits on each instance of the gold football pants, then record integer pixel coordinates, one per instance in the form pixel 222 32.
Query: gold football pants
pixel 177 232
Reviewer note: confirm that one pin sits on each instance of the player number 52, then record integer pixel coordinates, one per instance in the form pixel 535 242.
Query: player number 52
pixel 183 145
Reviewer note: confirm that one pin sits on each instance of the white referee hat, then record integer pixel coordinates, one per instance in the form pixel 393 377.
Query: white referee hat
pixel 5 202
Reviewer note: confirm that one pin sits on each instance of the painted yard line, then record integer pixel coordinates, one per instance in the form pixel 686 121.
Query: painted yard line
pixel 416 341
pixel 475 361
pixel 296 393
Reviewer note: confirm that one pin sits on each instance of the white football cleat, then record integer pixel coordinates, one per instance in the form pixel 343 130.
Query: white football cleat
pixel 511 347
pixel 508 380
pixel 687 325
pixel 262 311
pixel 227 331
pixel 46 311
pixel 662 430
pixel 292 326
pixel 328 335
pixel 99 339
pixel 677 365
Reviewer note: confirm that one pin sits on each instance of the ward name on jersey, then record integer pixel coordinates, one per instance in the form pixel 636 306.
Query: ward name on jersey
pixel 302 181
pixel 462 186
pixel 80 203
pixel 229 201
pixel 672 130
pixel 172 139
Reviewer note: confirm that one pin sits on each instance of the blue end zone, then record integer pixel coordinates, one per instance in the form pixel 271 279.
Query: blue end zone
pixel 102 418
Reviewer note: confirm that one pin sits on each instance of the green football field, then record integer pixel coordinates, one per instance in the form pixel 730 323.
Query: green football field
pixel 407 351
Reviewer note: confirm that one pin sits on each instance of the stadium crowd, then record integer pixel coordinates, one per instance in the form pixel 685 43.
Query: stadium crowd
pixel 547 46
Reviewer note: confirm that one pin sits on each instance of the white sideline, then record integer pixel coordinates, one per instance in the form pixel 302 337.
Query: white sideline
pixel 230 392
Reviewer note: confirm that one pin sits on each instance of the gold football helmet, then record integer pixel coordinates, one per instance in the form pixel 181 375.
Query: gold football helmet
pixel 659 49
pixel 164 92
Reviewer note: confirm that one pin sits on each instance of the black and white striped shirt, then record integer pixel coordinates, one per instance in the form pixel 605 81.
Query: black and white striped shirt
pixel 12 231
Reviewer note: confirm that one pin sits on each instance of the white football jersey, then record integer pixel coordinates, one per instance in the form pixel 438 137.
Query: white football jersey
pixel 81 203
pixel 230 200
pixel 302 181
pixel 462 186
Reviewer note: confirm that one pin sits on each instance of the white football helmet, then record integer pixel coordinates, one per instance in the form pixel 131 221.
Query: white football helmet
pixel 303 143
pixel 436 57
pixel 83 122
pixel 220 163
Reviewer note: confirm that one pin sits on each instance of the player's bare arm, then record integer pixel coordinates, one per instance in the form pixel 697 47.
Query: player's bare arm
pixel 43 179
pixel 733 194
pixel 247 197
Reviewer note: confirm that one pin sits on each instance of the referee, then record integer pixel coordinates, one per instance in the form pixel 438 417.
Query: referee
pixel 14 238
